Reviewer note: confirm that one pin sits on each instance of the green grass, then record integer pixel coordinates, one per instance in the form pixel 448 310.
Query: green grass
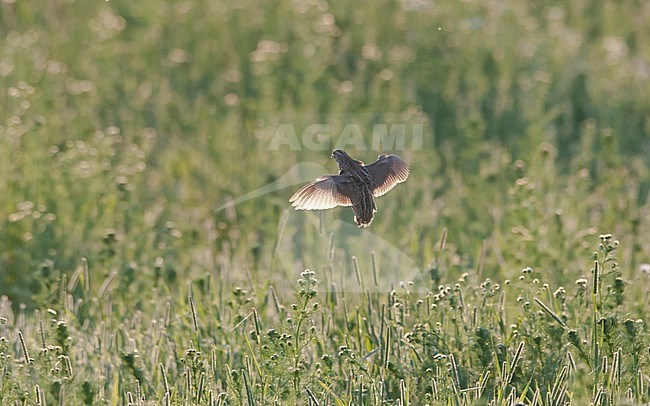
pixel 489 277
pixel 467 341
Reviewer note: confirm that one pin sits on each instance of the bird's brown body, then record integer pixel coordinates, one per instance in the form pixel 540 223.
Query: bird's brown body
pixel 357 185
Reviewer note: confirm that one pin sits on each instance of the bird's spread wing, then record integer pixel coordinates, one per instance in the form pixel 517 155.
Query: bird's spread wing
pixel 325 192
pixel 386 172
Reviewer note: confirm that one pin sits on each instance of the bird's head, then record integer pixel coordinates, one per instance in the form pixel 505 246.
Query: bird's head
pixel 345 161
pixel 339 153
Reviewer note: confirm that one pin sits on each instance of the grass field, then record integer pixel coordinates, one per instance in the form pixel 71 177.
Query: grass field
pixel 149 254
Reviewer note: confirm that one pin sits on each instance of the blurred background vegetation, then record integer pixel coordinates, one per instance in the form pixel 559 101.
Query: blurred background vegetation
pixel 125 124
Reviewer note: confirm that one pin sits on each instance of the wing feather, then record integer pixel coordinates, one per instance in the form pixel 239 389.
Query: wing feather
pixel 386 172
pixel 323 193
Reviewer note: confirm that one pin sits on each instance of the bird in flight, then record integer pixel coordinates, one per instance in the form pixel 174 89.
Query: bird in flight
pixel 357 185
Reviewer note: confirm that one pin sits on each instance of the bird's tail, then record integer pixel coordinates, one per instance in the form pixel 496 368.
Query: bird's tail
pixel 360 222
pixel 364 212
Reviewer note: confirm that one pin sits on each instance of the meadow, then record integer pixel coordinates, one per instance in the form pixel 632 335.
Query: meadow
pixel 149 254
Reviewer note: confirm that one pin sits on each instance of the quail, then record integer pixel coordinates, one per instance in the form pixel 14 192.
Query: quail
pixel 357 185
